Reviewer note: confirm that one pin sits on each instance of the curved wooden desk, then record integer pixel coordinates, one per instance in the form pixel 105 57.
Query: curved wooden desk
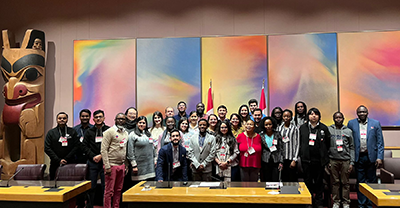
pixel 238 194
pixel 382 195
pixel 32 194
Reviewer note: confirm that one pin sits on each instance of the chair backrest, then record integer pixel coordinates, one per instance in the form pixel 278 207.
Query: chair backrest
pixel 387 154
pixel 72 172
pixel 30 172
pixel 392 165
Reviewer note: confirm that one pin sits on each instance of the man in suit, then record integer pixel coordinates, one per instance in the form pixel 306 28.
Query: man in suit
pixel 202 152
pixel 368 147
pixel 173 155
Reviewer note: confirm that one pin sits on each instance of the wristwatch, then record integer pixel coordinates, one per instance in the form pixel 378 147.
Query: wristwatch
pixel 228 162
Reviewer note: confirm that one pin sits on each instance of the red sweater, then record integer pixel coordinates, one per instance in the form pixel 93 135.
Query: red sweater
pixel 253 160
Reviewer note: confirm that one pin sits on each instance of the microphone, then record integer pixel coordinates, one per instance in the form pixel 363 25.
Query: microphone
pixel 222 182
pixel 280 180
pixel 8 181
pixel 56 178
pixel 169 175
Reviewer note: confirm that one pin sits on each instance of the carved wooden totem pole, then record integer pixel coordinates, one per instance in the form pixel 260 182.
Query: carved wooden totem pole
pixel 22 119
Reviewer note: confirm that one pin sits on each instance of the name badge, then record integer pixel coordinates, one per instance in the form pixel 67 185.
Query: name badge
pixel 81 139
pixel 62 139
pixel 275 142
pixel 176 164
pixel 272 148
pixel 285 139
pixel 311 142
pixel 122 143
pixel 64 143
pixel 186 146
pixel 99 139
pixel 339 148
pixel 339 142
pixel 222 155
pixel 363 134
pixel 251 150
pixel 151 140
pixel 313 136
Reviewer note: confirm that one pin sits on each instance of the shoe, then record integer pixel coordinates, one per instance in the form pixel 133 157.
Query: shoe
pixel 346 205
pixel 308 206
pixel 336 205
pixel 320 206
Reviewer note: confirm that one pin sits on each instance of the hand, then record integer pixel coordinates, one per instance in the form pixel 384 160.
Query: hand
pixel 155 164
pixel 97 158
pixel 191 165
pixel 108 171
pixel 201 168
pixel 293 164
pixel 223 165
pixel 350 168
pixel 280 166
pixel 135 170
pixel 63 162
pixel 378 163
pixel 160 180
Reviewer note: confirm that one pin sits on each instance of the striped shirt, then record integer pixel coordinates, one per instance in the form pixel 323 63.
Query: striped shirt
pixel 290 148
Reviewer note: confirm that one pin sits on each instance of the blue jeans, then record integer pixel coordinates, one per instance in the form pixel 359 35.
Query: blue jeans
pixel 94 170
pixel 366 173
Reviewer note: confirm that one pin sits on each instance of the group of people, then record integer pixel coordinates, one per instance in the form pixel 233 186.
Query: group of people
pixel 247 146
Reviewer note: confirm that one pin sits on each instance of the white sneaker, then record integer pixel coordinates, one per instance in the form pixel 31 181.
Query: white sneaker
pixel 336 205
pixel 346 205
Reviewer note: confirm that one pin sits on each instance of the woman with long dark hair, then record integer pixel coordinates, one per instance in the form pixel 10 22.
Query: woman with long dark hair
pixel 141 152
pixel 236 124
pixel 276 113
pixel 300 111
pixel 213 124
pixel 244 113
pixel 157 127
pixel 226 154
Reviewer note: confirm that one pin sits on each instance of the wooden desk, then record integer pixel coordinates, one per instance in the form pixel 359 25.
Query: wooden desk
pixel 30 194
pixel 238 194
pixel 378 194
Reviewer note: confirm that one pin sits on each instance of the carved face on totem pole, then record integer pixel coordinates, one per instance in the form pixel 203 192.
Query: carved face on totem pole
pixel 22 120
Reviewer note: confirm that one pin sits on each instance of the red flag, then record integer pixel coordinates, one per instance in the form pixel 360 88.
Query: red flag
pixel 263 103
pixel 210 105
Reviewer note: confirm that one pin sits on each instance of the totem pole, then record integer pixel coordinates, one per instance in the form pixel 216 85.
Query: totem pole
pixel 22 119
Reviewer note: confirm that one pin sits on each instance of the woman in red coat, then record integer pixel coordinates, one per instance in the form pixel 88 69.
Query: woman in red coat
pixel 250 153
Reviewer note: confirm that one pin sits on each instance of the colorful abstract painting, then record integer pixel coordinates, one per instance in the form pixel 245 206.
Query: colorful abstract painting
pixel 304 67
pixel 369 72
pixel 168 71
pixel 236 66
pixel 104 76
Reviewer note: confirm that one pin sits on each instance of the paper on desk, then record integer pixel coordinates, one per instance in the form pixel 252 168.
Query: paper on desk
pixel 273 184
pixel 209 184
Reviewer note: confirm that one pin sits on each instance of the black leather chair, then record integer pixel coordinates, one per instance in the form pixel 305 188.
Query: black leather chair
pixel 72 172
pixel 30 172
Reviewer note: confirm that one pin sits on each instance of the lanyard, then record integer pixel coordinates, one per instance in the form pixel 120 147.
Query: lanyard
pixel 247 142
pixel 65 131
pixel 101 132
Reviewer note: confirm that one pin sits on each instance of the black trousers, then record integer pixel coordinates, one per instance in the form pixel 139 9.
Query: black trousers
pixel 269 171
pixel 313 178
pixel 289 174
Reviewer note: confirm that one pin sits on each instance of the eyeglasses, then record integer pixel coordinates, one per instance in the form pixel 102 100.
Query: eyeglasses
pixel 97 117
pixel 121 119
pixel 62 118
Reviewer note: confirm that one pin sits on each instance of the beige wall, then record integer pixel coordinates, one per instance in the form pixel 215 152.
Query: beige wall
pixel 65 21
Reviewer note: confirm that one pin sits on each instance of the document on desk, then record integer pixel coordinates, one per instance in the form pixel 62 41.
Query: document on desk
pixel 209 184
pixel 273 185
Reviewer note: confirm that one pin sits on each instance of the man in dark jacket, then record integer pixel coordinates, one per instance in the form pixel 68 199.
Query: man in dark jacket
pixel 91 146
pixel 314 146
pixel 61 144
pixel 173 155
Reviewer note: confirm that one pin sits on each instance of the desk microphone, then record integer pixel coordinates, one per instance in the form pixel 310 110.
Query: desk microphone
pixel 8 181
pixel 56 178
pixel 280 180
pixel 222 182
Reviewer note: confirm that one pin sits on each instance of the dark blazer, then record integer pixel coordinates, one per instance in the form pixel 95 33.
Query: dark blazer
pixel 375 144
pixel 277 155
pixel 165 157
